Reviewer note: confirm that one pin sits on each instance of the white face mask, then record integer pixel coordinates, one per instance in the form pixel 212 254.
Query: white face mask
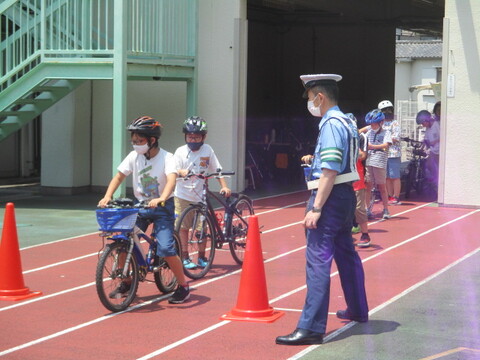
pixel 141 149
pixel 314 110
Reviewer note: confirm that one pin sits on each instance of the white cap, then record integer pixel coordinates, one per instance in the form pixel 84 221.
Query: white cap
pixel 306 79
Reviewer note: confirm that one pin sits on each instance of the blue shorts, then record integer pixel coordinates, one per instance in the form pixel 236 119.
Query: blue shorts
pixel 163 218
pixel 393 168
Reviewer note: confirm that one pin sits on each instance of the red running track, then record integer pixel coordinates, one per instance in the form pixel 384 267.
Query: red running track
pixel 69 322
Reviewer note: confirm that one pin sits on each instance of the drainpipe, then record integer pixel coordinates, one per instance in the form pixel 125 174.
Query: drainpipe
pixel 119 88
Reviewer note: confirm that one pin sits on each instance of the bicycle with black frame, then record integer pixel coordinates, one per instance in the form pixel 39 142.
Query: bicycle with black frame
pixel 124 261
pixel 202 230
pixel 415 172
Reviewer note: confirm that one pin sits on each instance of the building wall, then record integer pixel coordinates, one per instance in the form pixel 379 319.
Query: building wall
pixel 460 148
pixel 222 47
pixel 416 72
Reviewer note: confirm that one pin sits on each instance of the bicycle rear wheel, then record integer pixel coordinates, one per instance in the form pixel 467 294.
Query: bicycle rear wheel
pixel 116 291
pixel 164 278
pixel 197 237
pixel 239 229
pixel 419 180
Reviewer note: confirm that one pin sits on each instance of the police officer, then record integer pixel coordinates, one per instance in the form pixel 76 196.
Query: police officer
pixel 329 217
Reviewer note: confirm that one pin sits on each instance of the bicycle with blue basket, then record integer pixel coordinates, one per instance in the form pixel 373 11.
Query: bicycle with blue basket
pixel 125 259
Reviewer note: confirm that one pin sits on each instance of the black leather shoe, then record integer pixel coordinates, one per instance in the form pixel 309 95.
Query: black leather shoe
pixel 345 315
pixel 300 337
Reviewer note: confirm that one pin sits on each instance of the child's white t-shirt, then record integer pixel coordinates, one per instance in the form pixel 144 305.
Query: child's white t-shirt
pixel 204 160
pixel 149 175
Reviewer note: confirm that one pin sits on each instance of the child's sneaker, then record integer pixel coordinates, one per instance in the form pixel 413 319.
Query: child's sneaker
pixel 189 264
pixel 202 262
pixel 394 201
pixel 180 295
pixel 355 229
pixel 120 291
pixel 364 241
pixel 386 214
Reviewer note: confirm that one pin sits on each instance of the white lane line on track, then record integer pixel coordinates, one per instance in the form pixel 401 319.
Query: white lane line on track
pixel 60 263
pixel 71 329
pixel 57 241
pixel 386 303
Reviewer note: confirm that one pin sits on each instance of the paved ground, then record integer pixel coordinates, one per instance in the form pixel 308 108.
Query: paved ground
pixel 399 330
pixel 440 313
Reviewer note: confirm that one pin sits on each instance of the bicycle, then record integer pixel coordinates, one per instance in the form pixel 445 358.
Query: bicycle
pixel 125 259
pixel 415 173
pixel 375 196
pixel 206 230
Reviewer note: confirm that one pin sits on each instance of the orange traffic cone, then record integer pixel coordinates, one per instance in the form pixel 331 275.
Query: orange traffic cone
pixel 252 301
pixel 11 277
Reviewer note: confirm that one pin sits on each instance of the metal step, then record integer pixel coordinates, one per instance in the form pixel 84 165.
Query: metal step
pixel 18 113
pixel 31 101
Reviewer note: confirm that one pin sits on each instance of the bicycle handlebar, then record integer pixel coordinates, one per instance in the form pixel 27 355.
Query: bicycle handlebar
pixel 126 203
pixel 407 139
pixel 217 174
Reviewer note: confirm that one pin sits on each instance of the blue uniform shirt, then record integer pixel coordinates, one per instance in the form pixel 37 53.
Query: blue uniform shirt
pixel 336 147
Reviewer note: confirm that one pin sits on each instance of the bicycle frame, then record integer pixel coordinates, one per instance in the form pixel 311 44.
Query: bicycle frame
pixel 225 233
pixel 416 167
pixel 221 235
pixel 135 248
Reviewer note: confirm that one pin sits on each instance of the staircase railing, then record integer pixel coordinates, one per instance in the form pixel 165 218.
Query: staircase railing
pixel 81 31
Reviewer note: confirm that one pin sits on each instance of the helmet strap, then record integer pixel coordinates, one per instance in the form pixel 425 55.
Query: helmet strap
pixel 150 147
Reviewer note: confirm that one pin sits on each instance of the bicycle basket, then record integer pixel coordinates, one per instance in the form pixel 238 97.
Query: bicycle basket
pixel 116 219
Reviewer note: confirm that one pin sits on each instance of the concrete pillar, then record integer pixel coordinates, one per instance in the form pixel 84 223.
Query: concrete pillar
pixel 65 153
pixel 459 147
pixel 222 50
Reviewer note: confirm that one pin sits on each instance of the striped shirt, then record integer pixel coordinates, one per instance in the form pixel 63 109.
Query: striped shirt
pixel 378 158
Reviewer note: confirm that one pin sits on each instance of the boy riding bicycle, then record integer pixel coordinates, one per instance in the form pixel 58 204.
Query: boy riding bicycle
pixel 154 178
pixel 197 157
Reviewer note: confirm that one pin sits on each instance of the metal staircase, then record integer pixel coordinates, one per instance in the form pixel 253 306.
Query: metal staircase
pixel 50 47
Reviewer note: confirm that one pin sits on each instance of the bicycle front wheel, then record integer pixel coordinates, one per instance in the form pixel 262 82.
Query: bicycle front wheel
pixel 412 170
pixel 164 278
pixel 115 290
pixel 197 237
pixel 239 228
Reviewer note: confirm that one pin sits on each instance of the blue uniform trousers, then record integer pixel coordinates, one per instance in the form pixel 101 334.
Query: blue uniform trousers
pixel 332 239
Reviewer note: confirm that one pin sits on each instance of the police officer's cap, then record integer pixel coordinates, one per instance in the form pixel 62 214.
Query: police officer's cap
pixel 309 81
